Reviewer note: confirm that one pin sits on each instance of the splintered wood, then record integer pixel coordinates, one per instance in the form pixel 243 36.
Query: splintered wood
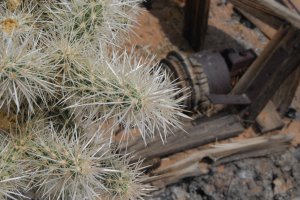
pixel 195 164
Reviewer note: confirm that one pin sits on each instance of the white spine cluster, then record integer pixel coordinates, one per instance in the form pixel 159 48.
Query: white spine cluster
pixel 69 86
pixel 25 75
pixel 94 20
pixel 17 21
pixel 133 93
pixel 70 166
pixel 11 176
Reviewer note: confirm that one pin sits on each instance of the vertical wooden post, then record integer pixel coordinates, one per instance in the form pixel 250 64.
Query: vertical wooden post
pixel 195 22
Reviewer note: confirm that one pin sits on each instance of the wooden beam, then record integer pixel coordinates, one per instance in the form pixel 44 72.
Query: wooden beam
pixel 281 11
pixel 296 3
pixel 195 22
pixel 292 6
pixel 194 165
pixel 220 151
pixel 286 93
pixel 267 30
pixel 259 11
pixel 256 66
pixel 208 130
pixel 274 69
pixel 269 11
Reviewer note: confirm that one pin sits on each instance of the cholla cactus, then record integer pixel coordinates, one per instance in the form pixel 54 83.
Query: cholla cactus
pixel 16 23
pixel 13 4
pixel 11 177
pixel 65 77
pixel 68 56
pixel 134 94
pixel 73 167
pixel 68 168
pixel 125 182
pixel 95 19
pixel 25 75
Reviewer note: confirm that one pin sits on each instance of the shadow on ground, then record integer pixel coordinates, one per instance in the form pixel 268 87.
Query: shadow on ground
pixel 170 16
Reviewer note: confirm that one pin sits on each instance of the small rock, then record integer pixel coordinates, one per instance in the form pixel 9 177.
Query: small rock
pixel 281 186
pixel 297 153
pixel 180 193
pixel 291 113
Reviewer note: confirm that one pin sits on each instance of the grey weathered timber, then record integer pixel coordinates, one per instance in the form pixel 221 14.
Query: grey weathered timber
pixel 256 66
pixel 207 131
pixel 195 165
pixel 229 99
pixel 259 11
pixel 277 65
pixel 269 11
pixel 286 93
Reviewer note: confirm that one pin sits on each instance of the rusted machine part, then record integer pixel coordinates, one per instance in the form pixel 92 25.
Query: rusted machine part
pixel 197 79
pixel 178 74
pixel 215 68
pixel 238 62
pixel 206 72
pixel 187 75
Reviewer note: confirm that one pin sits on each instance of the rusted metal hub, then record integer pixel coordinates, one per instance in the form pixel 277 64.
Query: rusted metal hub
pixel 216 70
pixel 205 72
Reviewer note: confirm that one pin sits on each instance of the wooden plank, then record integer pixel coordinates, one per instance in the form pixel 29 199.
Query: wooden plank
pixel 296 3
pixel 274 71
pixel 286 93
pixel 267 30
pixel 293 5
pixel 269 10
pixel 228 99
pixel 194 164
pixel 269 119
pixel 221 151
pixel 256 66
pixel 210 130
pixel 259 11
pixel 281 11
pixel 195 22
